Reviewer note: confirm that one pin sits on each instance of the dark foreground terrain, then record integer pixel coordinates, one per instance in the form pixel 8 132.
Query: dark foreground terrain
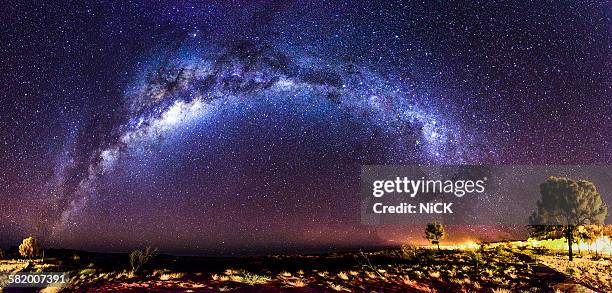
pixel 407 269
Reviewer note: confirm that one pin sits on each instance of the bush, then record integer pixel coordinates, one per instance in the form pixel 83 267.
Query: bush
pixel 30 248
pixel 475 259
pixel 484 247
pixel 408 251
pixel 539 250
pixel 139 258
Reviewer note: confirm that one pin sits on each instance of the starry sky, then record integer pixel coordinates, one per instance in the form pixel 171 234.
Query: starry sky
pixel 237 126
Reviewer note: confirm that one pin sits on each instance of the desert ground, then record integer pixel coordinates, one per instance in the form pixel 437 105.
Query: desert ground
pixel 500 267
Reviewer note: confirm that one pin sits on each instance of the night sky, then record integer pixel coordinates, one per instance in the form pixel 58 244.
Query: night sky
pixel 239 126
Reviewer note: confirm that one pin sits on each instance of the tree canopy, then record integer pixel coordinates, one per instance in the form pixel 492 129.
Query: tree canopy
pixel 434 232
pixel 566 204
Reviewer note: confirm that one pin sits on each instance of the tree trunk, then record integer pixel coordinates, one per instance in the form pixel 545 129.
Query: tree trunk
pixel 570 240
pixel 438 245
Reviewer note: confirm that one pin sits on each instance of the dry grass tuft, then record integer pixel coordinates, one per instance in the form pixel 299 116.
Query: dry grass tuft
pixel 343 276
pixel 171 276
pixel 297 283
pixel 337 287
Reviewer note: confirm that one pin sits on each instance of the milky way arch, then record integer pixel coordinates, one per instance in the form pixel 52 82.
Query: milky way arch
pixel 183 85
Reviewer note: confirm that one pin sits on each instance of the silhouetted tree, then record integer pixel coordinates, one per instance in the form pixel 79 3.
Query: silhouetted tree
pixel 30 248
pixel 565 205
pixel 434 232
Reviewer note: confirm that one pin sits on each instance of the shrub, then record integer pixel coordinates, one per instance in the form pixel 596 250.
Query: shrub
pixel 499 249
pixel 139 258
pixel 484 247
pixel 475 259
pixel 30 248
pixel 408 251
pixel 539 250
